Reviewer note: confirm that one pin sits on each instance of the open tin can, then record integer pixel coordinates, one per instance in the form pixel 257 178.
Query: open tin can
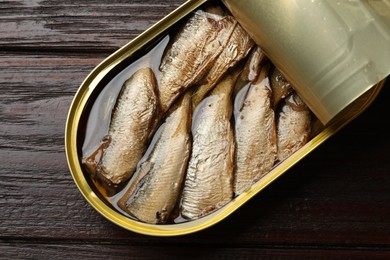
pixel 335 73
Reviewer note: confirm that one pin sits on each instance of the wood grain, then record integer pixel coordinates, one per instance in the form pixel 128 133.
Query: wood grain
pixel 90 26
pixel 334 204
pixel 336 193
pixel 121 251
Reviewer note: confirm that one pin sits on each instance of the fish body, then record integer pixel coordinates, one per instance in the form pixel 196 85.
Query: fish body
pixel 252 67
pixel 237 48
pixel 209 179
pixel 192 53
pixel 293 127
pixel 255 134
pixel 133 119
pixel 280 86
pixel 152 196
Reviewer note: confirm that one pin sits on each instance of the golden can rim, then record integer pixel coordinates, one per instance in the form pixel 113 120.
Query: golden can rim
pixel 89 84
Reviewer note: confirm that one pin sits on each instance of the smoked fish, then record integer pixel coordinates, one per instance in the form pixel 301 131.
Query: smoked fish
pixel 133 119
pixel 251 69
pixel 293 126
pixel 237 48
pixel 252 66
pixel 255 133
pixel 157 183
pixel 209 180
pixel 281 88
pixel 192 53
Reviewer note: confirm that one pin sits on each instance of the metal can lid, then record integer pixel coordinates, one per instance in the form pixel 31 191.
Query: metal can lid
pixel 331 51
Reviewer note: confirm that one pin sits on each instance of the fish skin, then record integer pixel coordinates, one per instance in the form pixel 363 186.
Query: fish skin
pixel 153 194
pixel 237 48
pixel 134 118
pixel 255 134
pixel 280 86
pixel 293 127
pixel 209 179
pixel 193 51
pixel 252 67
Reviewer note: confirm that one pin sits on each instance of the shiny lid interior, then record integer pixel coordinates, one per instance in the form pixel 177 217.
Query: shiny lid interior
pixel 331 51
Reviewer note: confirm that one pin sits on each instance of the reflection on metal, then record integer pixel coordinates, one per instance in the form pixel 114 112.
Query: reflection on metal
pixel 331 51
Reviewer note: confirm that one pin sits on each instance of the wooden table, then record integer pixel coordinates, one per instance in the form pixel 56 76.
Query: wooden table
pixel 334 204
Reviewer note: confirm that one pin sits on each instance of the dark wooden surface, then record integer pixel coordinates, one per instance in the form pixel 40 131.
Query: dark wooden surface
pixel 334 204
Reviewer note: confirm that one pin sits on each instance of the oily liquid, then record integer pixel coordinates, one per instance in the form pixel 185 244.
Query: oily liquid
pixel 98 119
pixel 115 199
pixel 99 115
pixel 98 122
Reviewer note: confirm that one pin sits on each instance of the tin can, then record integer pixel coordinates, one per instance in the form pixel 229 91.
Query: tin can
pixel 333 51
pixel 334 110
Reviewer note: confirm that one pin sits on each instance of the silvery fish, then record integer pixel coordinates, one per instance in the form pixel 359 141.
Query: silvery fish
pixel 293 126
pixel 251 70
pixel 237 48
pixel 209 180
pixel 157 183
pixel 252 67
pixel 134 118
pixel 280 86
pixel 192 53
pixel 255 133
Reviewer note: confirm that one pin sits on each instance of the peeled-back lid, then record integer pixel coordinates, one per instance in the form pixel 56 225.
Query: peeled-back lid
pixel 332 51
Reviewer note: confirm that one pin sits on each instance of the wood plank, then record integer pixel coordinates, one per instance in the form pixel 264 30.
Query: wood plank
pixel 338 195
pixel 76 250
pixel 91 26
pixel 334 204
